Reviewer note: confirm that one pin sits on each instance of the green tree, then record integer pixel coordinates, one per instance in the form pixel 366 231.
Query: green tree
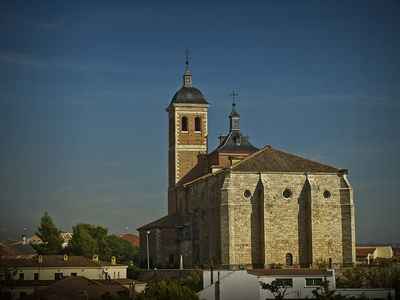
pixel 82 242
pixel 88 240
pixel 277 288
pixel 167 290
pixel 324 292
pixel 121 249
pixel 50 235
pixel 371 277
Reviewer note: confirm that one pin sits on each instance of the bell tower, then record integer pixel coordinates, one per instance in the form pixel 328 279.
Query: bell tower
pixel 187 117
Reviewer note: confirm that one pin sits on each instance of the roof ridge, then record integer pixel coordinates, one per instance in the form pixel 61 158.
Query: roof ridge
pixel 302 157
pixel 280 160
pixel 250 156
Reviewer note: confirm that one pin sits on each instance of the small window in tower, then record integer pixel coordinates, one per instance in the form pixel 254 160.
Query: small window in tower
pixel 197 124
pixel 184 125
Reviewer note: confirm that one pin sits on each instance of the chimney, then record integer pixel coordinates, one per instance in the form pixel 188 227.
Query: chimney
pixel 40 259
pixel 65 257
pixel 95 258
pixel 113 260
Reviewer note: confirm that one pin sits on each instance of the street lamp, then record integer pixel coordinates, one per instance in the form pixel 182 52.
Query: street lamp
pixel 148 258
pixel 181 237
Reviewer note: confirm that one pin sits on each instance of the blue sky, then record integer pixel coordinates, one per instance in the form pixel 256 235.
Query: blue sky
pixel 84 87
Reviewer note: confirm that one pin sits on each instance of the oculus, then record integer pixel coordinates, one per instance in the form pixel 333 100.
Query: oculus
pixel 247 193
pixel 327 194
pixel 287 193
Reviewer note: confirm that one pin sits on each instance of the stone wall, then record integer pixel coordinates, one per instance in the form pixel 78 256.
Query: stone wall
pixel 307 225
pixel 348 221
pixel 326 218
pixel 245 219
pixel 201 199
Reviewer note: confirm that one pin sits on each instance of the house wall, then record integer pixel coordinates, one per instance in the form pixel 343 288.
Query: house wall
pixel 47 273
pixel 299 288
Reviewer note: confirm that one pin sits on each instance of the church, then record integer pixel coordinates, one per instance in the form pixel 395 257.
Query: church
pixel 239 206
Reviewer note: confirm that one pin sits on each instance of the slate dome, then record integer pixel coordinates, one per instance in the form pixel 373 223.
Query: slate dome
pixel 189 95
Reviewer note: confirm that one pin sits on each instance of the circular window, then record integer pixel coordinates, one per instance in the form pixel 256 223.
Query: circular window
pixel 247 193
pixel 327 194
pixel 287 193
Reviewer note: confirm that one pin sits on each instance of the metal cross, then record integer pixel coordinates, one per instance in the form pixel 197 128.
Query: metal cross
pixel 234 95
pixel 187 57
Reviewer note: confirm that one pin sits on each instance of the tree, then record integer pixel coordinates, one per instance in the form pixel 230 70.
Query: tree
pixel 166 290
pixel 82 242
pixel 371 277
pixel 88 240
pixel 121 249
pixel 277 288
pixel 50 235
pixel 324 292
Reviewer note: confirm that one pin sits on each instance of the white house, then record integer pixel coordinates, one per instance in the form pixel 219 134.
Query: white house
pixel 23 276
pixel 300 283
pixel 53 267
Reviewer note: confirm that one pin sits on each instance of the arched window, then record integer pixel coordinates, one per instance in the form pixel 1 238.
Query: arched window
pixel 197 124
pixel 289 259
pixel 184 124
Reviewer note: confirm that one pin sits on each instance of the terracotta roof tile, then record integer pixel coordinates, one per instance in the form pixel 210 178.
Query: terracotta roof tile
pixel 269 159
pixel 131 238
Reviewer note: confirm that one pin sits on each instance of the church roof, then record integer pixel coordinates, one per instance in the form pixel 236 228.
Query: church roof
pixel 169 221
pixel 269 159
pixel 236 142
pixel 190 95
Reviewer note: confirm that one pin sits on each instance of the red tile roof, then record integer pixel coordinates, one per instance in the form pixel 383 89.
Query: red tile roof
pixel 269 159
pixel 78 287
pixel 364 251
pixel 131 238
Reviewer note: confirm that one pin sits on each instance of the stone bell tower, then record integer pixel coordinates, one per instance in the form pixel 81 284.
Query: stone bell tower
pixel 187 115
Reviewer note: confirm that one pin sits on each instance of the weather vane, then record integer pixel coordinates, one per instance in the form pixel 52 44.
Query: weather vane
pixel 234 96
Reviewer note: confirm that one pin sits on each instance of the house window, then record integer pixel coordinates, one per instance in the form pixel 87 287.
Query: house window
pixel 313 281
pixel 58 276
pixel 35 276
pixel 327 194
pixel 289 259
pixel 286 282
pixel 21 276
pixel 197 124
pixel 184 124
